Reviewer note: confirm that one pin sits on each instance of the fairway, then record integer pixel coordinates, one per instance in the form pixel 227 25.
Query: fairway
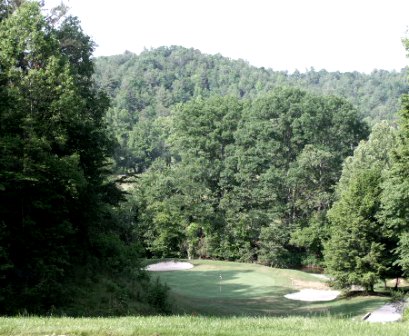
pixel 221 288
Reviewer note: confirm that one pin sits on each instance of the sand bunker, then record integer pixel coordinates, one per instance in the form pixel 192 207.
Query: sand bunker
pixel 169 266
pixel 388 313
pixel 313 295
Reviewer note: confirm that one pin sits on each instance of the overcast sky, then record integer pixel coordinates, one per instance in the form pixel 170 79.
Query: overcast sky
pixel 343 35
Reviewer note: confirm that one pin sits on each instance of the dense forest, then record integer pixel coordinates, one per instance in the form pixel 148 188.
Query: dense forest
pixel 229 161
pixel 173 153
pixel 243 175
pixel 144 88
pixel 62 243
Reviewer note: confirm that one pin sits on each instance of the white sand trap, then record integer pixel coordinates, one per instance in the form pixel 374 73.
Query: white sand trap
pixel 169 266
pixel 387 313
pixel 313 295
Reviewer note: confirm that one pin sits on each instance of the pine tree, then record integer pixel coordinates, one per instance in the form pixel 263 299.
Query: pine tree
pixel 359 252
pixel 395 194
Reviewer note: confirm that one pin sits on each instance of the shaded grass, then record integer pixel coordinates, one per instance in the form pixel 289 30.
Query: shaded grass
pixel 253 290
pixel 190 325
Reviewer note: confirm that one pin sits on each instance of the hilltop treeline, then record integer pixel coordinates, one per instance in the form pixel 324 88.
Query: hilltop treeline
pixel 145 87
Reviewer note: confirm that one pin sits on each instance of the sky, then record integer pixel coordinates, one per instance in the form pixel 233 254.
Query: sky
pixel 335 35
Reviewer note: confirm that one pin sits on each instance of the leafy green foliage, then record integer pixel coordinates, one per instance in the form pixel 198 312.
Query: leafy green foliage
pixel 395 210
pixel 289 149
pixel 244 175
pixel 147 86
pixel 359 252
pixel 55 199
pixel 157 296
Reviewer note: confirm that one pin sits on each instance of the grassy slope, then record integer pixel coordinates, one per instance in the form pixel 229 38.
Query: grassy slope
pixel 250 289
pixel 188 326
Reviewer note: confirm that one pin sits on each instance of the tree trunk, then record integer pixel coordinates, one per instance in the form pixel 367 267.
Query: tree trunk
pixel 397 283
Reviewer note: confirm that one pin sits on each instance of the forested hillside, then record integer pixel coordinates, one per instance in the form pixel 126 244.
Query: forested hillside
pixel 156 79
pixel 241 163
pixel 246 180
pixel 145 87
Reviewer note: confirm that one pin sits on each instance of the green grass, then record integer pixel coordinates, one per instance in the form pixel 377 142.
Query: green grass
pixel 191 325
pixel 252 290
pixel 249 301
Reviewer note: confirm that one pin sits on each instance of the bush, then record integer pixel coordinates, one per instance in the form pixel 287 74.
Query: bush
pixel 158 296
pixel 397 295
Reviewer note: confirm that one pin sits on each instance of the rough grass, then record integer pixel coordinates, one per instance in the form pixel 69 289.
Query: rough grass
pixel 196 325
pixel 253 290
pixel 245 289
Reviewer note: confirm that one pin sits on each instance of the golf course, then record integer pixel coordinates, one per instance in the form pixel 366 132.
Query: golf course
pixel 154 183
pixel 227 298
pixel 220 288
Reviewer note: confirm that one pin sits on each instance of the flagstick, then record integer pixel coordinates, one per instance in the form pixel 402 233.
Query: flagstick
pixel 220 283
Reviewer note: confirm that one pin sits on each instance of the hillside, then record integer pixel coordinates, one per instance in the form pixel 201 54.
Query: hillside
pixel 148 84
pixel 145 88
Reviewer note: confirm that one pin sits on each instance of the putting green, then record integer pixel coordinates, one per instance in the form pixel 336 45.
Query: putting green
pixel 228 288
pixel 228 279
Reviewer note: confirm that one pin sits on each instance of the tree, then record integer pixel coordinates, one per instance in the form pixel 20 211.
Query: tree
pixel 288 152
pixel 150 85
pixel 172 211
pixel 359 252
pixel 55 198
pixel 182 212
pixel 395 194
pixel 244 175
pixel 311 178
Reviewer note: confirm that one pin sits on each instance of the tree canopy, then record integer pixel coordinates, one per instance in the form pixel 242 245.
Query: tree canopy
pixel 369 236
pixel 147 86
pixel 245 174
pixel 56 218
pixel 359 252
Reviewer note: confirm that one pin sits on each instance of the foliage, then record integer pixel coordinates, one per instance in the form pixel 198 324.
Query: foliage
pixel 358 251
pixel 398 296
pixel 147 86
pixel 56 218
pixel 369 235
pixel 288 153
pixel 244 175
pixel 158 296
pixel 395 209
